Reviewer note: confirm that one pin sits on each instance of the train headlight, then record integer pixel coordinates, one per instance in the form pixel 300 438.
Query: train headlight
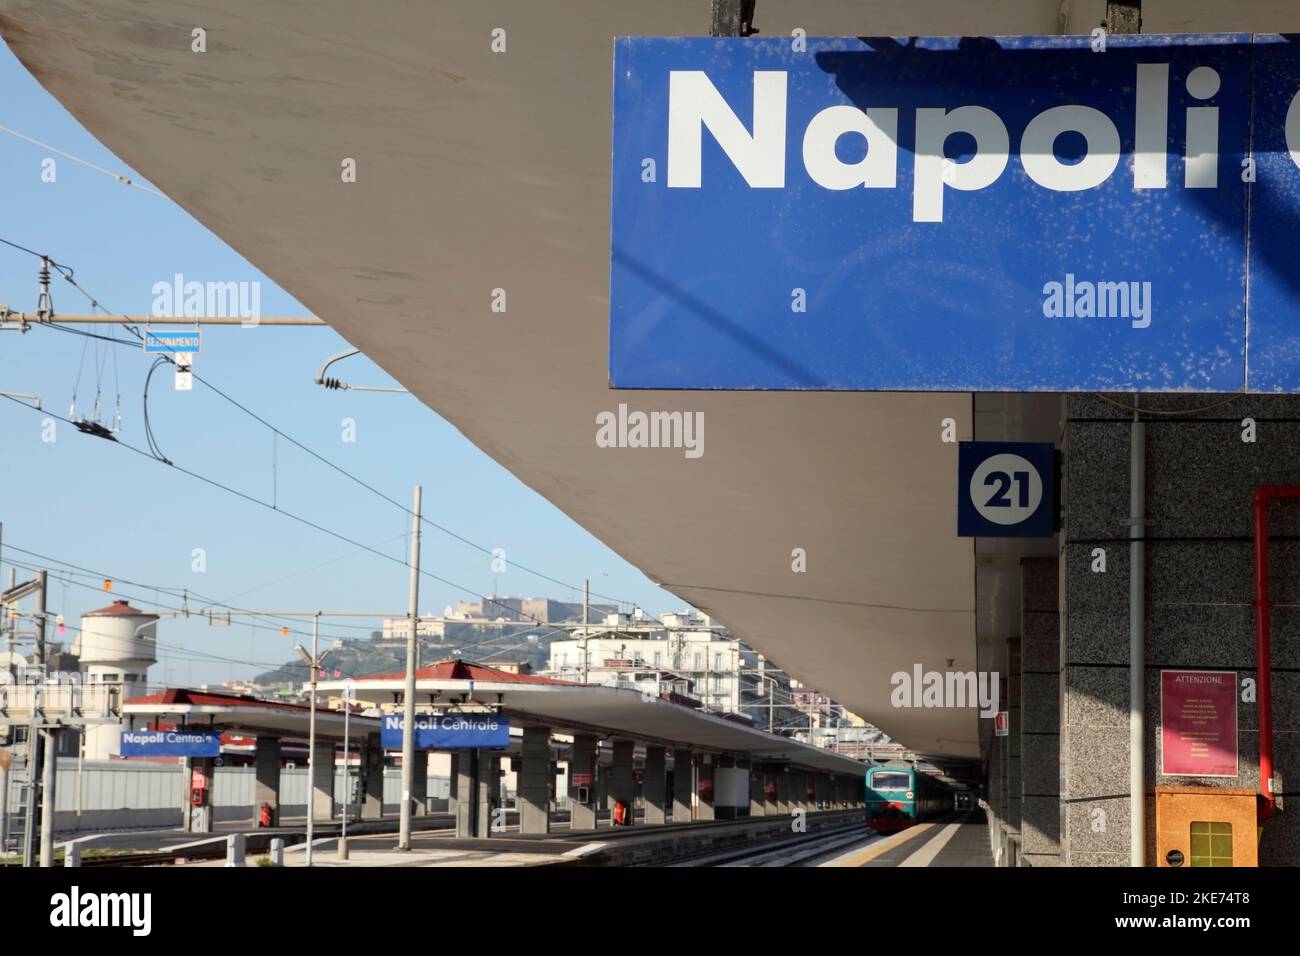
pixel 909 794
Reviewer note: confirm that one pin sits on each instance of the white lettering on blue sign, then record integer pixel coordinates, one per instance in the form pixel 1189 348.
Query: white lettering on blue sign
pixel 695 104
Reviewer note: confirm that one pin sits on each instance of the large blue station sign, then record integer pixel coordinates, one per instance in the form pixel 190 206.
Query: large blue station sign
pixel 1037 213
pixel 170 743
pixel 450 731
pixel 1006 489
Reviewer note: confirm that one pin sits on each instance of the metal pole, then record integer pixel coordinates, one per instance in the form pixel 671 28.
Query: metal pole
pixel 1137 643
pixel 49 794
pixel 40 619
pixel 33 789
pixel 311 740
pixel 347 761
pixel 11 631
pixel 708 687
pixel 412 664
pixel 6 761
pixel 35 748
pixel 586 605
pixel 81 766
pixel 218 320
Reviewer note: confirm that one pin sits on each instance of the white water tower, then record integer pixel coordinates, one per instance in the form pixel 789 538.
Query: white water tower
pixel 117 646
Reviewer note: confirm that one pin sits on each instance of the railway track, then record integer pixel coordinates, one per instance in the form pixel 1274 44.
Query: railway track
pixel 802 850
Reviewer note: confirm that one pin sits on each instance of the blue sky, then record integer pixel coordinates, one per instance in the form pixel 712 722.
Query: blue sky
pixel 106 509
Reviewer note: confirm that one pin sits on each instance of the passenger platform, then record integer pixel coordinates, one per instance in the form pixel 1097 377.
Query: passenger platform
pixel 958 839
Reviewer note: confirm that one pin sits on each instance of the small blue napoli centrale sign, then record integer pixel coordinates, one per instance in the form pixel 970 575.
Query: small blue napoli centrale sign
pixel 448 732
pixel 170 743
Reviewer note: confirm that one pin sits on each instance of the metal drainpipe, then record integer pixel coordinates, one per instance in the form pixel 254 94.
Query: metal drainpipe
pixel 1137 642
pixel 1263 653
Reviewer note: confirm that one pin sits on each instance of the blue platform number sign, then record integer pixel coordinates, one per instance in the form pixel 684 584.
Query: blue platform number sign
pixel 1005 489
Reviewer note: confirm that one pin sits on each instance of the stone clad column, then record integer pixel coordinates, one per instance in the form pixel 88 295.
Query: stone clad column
pixel 683 781
pixel 322 782
pixel 464 767
pixel 1013 736
pixel 704 799
pixel 533 789
pixel 266 785
pixel 453 760
pixel 420 784
pixel 756 794
pixel 372 779
pixel 622 784
pixel 1040 714
pixel 655 785
pixel 782 790
pixel 488 792
pixel 582 766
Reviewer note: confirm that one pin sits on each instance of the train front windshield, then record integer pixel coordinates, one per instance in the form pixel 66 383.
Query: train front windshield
pixel 891 781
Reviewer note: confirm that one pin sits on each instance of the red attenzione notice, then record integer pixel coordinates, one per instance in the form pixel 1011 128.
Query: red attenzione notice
pixel 1198 723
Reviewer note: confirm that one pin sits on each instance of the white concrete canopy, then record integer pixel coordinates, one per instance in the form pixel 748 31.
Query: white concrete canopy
pixel 479 171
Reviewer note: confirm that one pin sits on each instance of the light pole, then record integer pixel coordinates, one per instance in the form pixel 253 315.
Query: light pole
pixel 412 663
pixel 586 604
pixel 349 695
pixel 313 662
pixel 771 696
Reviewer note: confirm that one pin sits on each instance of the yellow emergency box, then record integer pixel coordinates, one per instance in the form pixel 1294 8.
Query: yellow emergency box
pixel 1206 826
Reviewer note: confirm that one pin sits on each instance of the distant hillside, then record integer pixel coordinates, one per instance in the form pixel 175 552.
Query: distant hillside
pixel 471 641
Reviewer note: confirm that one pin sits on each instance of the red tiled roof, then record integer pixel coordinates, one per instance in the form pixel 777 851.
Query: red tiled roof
pixel 465 670
pixel 119 609
pixel 180 695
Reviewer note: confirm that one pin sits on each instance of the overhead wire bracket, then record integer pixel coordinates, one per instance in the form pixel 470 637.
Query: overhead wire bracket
pixel 335 384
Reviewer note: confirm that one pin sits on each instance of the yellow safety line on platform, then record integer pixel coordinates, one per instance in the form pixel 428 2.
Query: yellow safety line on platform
pixel 868 854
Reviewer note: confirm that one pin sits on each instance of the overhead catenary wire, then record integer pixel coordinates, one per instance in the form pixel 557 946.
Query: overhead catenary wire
pixel 173 592
pixel 290 514
pixel 121 178
pixel 321 458
pixel 517 639
pixel 68 275
pixel 148 426
pixel 181 650
pixel 146 603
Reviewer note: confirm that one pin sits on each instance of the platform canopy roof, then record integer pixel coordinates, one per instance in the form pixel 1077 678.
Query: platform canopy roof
pixel 567 708
pixel 248 716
